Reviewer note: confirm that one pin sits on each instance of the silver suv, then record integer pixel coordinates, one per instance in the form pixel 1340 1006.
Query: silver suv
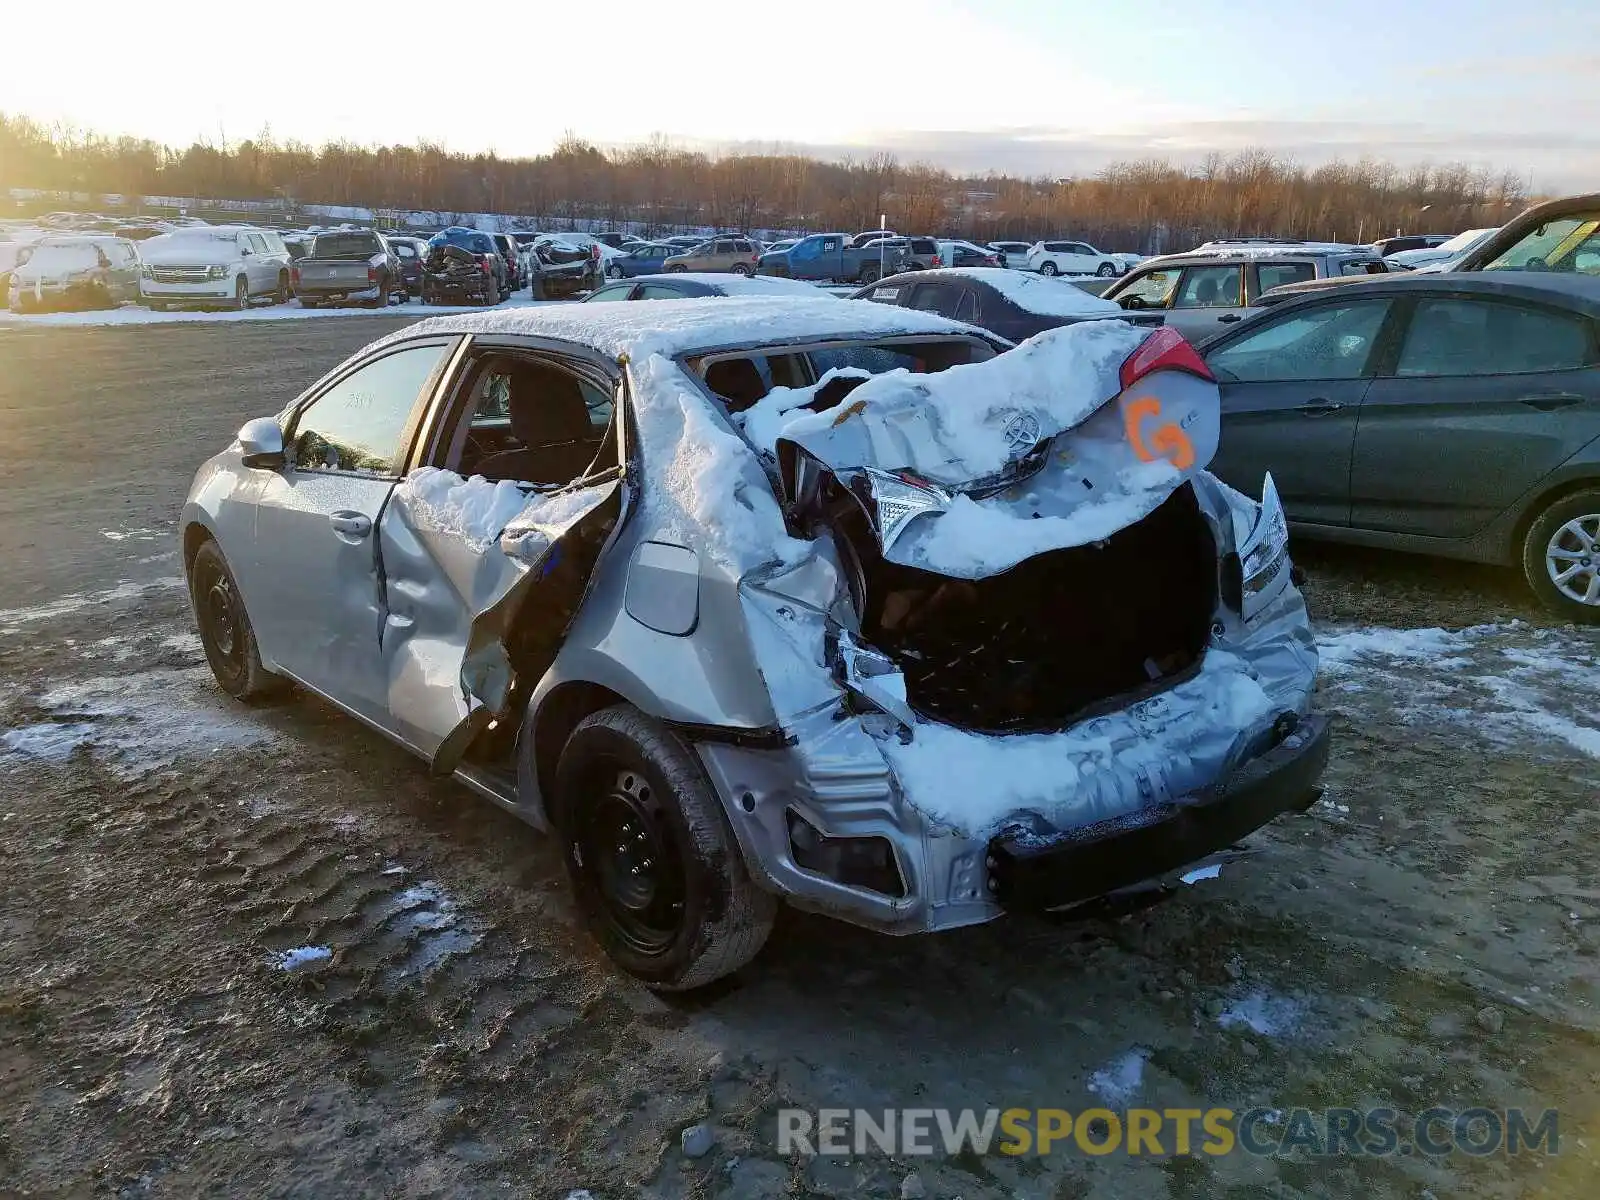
pixel 1209 290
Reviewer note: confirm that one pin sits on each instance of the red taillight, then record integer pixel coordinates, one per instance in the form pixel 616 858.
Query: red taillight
pixel 991 261
pixel 1164 350
pixel 937 261
pixel 372 274
pixel 483 261
pixel 594 251
pixel 294 276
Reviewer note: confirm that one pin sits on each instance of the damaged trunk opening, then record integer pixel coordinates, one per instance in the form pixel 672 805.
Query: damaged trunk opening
pixel 1054 637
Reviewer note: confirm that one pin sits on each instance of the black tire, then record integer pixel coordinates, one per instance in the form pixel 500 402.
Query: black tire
pixel 1555 542
pixel 614 271
pixel 308 302
pixel 241 293
pixel 281 296
pixel 740 268
pixel 1048 268
pixel 869 274
pixel 1107 271
pixel 382 300
pixel 673 904
pixel 675 268
pixel 225 630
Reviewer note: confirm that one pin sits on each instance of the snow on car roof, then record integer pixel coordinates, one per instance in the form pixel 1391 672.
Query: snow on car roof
pixel 1035 293
pixel 672 327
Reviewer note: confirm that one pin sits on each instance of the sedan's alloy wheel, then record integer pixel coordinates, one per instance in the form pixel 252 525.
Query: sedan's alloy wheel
pixel 1572 558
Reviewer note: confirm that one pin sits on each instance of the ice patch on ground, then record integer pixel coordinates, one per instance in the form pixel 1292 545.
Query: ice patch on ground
pixel 138 720
pixel 13 618
pixel 131 535
pixel 301 956
pixel 48 740
pixel 1505 681
pixel 429 920
pixel 1264 1013
pixel 1119 1081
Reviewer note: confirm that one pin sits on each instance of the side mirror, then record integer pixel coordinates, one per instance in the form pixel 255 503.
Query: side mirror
pixel 261 444
pixel 245 251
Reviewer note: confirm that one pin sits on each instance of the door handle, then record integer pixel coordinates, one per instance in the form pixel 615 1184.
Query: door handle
pixel 1549 401
pixel 1319 407
pixel 353 523
pixel 1229 319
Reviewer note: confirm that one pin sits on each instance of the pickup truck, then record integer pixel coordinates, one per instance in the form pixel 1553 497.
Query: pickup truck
pixel 827 256
pixel 350 264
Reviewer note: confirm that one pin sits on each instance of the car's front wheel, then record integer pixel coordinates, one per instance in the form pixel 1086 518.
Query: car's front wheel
pixel 241 293
pixel 1048 268
pixel 1561 557
pixel 226 635
pixel 1107 271
pixel 659 877
pixel 614 271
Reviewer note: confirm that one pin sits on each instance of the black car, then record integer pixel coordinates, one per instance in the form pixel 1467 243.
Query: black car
pixel 507 246
pixel 1451 414
pixel 463 266
pixel 410 251
pixel 686 285
pixel 1014 304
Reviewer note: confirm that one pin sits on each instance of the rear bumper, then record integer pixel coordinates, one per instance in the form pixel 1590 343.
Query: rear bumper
pixel 320 293
pixel 1046 869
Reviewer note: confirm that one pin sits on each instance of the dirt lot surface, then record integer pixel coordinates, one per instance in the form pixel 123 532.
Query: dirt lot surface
pixel 1427 934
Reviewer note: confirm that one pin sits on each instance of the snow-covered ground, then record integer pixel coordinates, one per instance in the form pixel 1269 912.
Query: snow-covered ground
pixel 134 315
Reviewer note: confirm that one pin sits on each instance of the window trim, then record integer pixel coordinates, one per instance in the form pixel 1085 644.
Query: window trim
pixel 421 408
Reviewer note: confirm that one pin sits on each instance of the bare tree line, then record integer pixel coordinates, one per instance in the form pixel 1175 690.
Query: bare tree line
pixel 1146 206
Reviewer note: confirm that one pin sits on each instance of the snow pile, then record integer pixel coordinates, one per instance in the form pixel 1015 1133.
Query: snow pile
pixel 951 427
pixel 1119 1081
pixel 545 517
pixel 711 494
pixel 473 509
pixel 1040 294
pixel 301 957
pixel 764 421
pixel 1264 1013
pixel 973 782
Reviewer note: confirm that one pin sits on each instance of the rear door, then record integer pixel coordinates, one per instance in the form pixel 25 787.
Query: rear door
pixel 1209 299
pixel 1486 396
pixel 1292 387
pixel 313 585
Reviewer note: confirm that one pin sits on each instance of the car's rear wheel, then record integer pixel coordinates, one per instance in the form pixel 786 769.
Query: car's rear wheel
pixel 1561 557
pixel 281 296
pixel 1047 268
pixel 614 271
pixel 308 302
pixel 1106 271
pixel 869 274
pixel 659 877
pixel 740 268
pixel 226 635
pixel 382 300
pixel 241 293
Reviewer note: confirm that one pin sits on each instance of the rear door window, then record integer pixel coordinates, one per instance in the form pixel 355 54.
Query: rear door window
pixel 612 291
pixel 1470 336
pixel 656 291
pixel 941 298
pixel 1209 287
pixel 1271 275
pixel 1327 342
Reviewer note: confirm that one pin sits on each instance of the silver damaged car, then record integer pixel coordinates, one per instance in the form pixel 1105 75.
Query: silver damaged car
pixel 762 600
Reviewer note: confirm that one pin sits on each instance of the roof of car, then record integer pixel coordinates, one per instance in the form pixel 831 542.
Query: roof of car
pixel 1038 294
pixel 673 327
pixel 1287 252
pixel 1579 291
pixel 726 283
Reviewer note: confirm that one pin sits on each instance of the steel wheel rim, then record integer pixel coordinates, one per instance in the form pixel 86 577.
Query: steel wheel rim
pixel 631 859
pixel 1572 559
pixel 219 614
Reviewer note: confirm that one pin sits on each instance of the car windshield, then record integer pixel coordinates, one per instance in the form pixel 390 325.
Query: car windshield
pixel 1463 241
pixel 344 245
pixel 1570 244
pixel 58 259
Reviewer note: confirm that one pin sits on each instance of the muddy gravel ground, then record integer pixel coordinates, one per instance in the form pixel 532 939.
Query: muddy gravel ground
pixel 1426 934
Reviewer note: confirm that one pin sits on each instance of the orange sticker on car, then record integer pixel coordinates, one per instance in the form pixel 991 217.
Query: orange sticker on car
pixel 1166 440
